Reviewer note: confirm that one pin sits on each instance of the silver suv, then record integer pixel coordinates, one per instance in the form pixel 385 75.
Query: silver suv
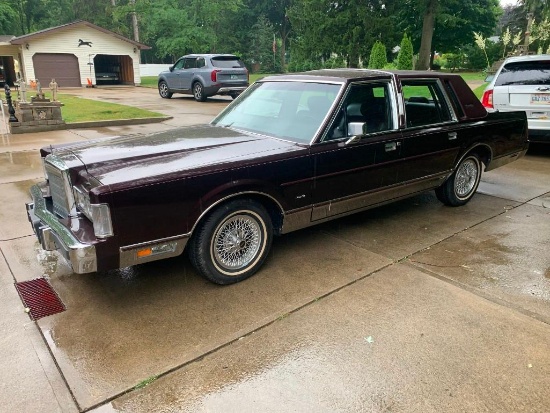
pixel 523 83
pixel 204 75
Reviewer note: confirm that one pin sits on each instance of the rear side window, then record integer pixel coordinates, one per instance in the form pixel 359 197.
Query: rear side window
pixel 190 63
pixel 226 62
pixel 424 103
pixel 525 73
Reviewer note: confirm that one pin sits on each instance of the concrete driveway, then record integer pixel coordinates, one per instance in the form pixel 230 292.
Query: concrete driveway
pixel 411 307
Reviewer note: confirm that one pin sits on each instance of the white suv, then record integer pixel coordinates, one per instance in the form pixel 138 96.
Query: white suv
pixel 523 83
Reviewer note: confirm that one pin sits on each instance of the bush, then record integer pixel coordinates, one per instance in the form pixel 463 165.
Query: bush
pixel 405 56
pixel 378 57
pixel 334 63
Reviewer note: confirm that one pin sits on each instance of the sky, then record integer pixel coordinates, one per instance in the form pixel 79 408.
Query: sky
pixel 508 2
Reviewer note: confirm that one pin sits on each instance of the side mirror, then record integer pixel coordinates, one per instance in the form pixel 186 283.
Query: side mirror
pixel 356 128
pixel 171 68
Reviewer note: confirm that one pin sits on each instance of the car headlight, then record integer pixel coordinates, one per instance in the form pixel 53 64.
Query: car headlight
pixel 82 199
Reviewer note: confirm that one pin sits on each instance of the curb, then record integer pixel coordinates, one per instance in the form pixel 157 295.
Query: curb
pixel 90 124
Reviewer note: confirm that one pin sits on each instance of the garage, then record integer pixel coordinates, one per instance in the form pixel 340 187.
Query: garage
pixel 59 66
pixel 7 71
pixel 75 54
pixel 113 69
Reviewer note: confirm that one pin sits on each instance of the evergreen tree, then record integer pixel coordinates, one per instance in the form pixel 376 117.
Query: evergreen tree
pixel 378 58
pixel 405 56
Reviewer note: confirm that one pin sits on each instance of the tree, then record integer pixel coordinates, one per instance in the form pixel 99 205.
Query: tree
pixel 324 29
pixel 378 58
pixel 276 11
pixel 261 51
pixel 7 17
pixel 427 34
pixel 454 23
pixel 405 56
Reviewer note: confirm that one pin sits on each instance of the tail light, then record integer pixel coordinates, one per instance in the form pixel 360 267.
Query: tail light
pixel 247 76
pixel 214 75
pixel 487 99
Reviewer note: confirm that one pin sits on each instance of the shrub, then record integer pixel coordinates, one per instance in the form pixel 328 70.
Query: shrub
pixel 378 57
pixel 405 56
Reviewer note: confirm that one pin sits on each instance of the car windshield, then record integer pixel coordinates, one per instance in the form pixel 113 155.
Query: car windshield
pixel 525 73
pixel 282 109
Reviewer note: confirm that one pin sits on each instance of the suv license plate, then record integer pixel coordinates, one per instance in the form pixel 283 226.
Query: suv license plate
pixel 540 98
pixel 234 77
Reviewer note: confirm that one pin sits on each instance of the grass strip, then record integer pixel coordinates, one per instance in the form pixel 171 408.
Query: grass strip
pixel 77 109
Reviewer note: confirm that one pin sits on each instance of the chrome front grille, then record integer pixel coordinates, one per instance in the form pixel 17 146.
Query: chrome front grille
pixel 59 182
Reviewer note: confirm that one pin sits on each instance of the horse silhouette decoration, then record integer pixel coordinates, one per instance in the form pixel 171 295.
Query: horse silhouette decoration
pixel 83 43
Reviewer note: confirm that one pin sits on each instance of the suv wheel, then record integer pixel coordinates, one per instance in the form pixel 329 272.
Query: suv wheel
pixel 198 92
pixel 164 92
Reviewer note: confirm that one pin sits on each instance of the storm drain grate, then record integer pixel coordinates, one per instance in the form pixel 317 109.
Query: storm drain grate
pixel 40 298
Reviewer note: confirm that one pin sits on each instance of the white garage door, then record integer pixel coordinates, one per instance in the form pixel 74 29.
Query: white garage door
pixel 59 66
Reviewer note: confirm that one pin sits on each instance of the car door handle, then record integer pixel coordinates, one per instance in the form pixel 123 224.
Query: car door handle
pixel 452 136
pixel 543 89
pixel 392 146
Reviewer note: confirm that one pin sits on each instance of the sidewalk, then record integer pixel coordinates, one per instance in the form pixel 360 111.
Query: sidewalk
pixel 30 380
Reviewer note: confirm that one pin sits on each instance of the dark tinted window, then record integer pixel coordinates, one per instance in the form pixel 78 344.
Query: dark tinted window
pixel 226 62
pixel 366 109
pixel 525 73
pixel 424 103
pixel 190 63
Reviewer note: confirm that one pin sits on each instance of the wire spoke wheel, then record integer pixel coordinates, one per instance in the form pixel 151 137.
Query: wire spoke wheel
pixel 461 186
pixel 466 178
pixel 233 242
pixel 236 242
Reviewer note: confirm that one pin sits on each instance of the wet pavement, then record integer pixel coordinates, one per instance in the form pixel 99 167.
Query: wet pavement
pixel 411 307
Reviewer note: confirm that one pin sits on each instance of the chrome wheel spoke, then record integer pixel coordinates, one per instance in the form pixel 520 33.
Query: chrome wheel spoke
pixel 237 242
pixel 466 178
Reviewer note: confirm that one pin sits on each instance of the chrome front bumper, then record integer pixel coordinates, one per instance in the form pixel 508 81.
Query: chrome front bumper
pixel 53 235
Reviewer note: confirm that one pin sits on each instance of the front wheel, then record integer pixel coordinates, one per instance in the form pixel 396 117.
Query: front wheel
pixel 461 186
pixel 164 92
pixel 233 242
pixel 198 92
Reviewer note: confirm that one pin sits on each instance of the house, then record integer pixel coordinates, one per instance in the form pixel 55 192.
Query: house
pixel 74 54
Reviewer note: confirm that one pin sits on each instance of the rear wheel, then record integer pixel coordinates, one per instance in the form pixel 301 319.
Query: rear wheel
pixel 198 92
pixel 233 242
pixel 461 186
pixel 164 92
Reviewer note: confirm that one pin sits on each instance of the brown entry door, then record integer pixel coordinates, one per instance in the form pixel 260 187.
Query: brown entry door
pixel 59 66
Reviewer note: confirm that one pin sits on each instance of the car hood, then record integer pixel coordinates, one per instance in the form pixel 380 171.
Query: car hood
pixel 180 151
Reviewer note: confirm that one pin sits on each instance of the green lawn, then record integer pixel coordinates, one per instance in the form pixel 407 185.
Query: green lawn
pixel 479 90
pixel 149 81
pixel 83 110
pixel 77 109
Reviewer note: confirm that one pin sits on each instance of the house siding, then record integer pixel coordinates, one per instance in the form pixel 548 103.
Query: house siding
pixel 66 41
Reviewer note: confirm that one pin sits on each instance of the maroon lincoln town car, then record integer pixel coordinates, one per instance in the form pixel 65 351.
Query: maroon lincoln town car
pixel 292 151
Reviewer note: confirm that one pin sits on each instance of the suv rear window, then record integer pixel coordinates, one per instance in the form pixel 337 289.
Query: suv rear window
pixel 525 73
pixel 226 62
